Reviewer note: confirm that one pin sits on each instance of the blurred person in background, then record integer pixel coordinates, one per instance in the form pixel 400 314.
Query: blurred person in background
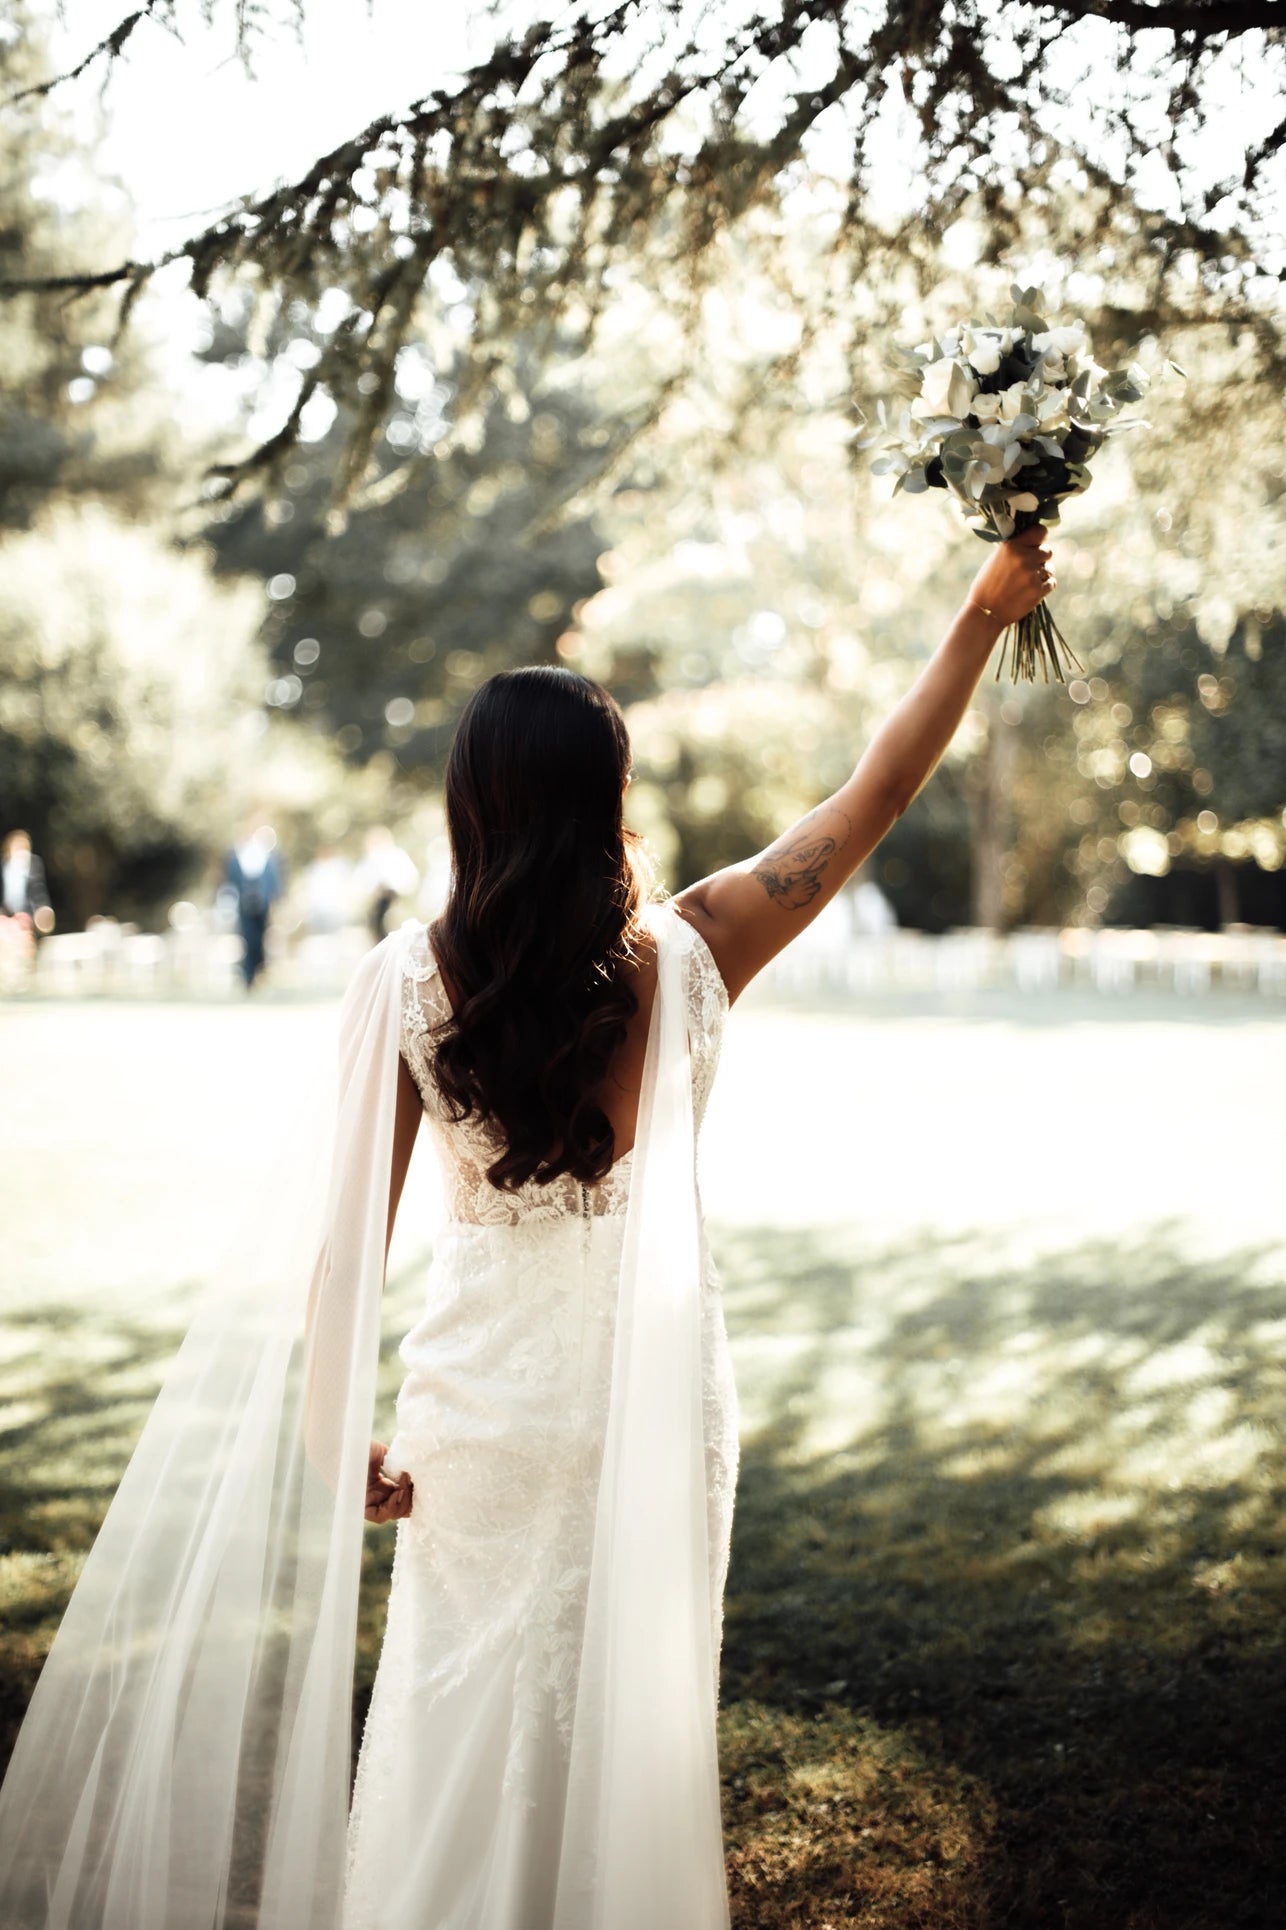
pixel 385 874
pixel 251 871
pixel 23 890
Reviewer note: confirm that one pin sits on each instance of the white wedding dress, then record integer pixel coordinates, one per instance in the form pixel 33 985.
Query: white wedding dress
pixel 461 1790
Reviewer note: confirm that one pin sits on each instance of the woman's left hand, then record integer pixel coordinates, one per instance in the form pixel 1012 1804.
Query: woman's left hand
pixel 1016 576
pixel 386 1499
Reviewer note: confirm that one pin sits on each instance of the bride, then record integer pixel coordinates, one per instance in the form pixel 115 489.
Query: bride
pixel 540 1748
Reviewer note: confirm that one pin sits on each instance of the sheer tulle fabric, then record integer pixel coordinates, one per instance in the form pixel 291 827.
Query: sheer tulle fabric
pixel 642 1841
pixel 185 1762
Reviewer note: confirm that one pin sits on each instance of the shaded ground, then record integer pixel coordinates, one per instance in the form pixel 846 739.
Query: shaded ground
pixel 1005 1621
pixel 1005 1640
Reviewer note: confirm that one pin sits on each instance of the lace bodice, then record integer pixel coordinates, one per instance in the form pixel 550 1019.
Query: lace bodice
pixel 466 1148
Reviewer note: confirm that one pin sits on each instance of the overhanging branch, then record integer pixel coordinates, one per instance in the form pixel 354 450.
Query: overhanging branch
pixel 107 49
pixel 1205 18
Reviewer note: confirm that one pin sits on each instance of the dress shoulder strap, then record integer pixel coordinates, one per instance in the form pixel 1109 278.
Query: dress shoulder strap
pixel 706 994
pixel 419 962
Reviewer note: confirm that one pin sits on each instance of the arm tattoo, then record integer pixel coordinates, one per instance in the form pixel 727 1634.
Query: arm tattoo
pixel 791 870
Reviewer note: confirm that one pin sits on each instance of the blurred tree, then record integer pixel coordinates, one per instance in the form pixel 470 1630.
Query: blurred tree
pixel 77 415
pixel 1172 588
pixel 439 274
pixel 380 631
pixel 131 685
pixel 765 605
pixel 581 143
pixel 116 747
pixel 743 549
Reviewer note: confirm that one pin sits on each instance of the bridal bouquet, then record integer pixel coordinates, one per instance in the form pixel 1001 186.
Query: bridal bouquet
pixel 1007 417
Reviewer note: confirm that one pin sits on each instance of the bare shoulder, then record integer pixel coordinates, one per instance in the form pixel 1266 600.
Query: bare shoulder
pixel 693 907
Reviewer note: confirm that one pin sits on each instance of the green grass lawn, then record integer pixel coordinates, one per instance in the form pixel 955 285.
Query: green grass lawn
pixel 1004 1638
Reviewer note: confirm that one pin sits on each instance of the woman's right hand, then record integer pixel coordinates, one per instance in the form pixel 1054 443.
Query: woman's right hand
pixel 386 1499
pixel 1015 577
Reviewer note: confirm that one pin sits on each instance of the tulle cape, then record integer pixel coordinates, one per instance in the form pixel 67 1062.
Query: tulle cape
pixel 185 1761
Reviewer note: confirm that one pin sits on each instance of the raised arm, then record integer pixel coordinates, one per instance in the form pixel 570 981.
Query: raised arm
pixel 751 911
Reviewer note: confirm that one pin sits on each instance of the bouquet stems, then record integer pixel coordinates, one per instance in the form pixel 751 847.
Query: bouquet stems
pixel 1036 639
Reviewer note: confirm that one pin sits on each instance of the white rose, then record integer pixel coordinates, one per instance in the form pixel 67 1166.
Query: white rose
pixel 1053 369
pixel 945 389
pixel 1062 341
pixel 1013 401
pixel 986 408
pixel 984 348
pixel 1023 500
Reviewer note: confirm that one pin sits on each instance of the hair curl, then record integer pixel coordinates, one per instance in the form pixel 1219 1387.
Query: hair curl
pixel 539 928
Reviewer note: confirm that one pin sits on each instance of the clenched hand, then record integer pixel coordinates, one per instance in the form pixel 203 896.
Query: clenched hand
pixel 386 1499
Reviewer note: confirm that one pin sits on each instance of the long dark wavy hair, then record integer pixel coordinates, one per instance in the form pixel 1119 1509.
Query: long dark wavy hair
pixel 539 929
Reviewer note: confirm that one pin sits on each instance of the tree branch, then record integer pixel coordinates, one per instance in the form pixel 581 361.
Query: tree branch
pixel 1205 17
pixel 109 47
pixel 541 167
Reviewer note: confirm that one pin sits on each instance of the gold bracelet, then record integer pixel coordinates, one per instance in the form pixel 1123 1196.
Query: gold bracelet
pixel 971 605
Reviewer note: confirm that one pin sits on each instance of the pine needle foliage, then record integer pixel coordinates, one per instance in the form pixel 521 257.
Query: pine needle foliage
pixel 649 129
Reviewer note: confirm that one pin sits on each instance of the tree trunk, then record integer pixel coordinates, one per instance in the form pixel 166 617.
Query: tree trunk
pixel 993 818
pixel 1227 895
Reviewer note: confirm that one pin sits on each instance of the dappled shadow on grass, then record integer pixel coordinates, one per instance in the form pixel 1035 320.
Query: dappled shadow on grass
pixel 1004 1626
pixel 1004 1638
